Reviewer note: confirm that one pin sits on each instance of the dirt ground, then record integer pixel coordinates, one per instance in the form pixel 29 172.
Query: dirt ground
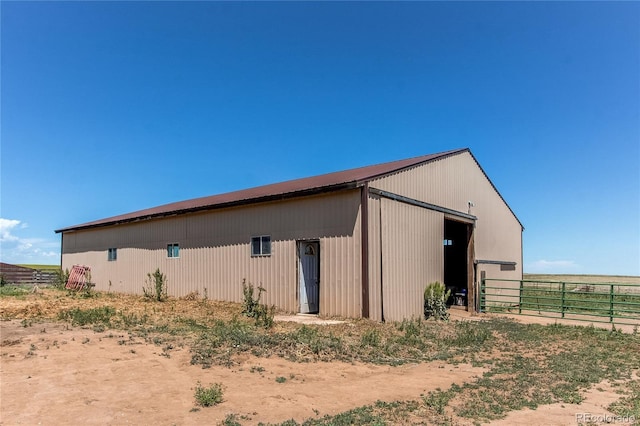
pixel 52 373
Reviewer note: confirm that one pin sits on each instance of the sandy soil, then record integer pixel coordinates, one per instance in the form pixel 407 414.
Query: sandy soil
pixel 55 374
pixel 592 410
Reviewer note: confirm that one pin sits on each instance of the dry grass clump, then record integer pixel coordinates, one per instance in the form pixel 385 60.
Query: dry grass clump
pixel 194 295
pixel 49 302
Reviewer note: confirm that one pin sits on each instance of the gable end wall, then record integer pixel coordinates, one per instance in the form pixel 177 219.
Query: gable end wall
pixel 451 183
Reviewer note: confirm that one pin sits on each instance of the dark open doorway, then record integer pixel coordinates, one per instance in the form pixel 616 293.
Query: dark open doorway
pixel 456 273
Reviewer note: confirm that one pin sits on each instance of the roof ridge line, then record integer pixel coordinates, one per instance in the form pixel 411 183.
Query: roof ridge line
pixel 327 182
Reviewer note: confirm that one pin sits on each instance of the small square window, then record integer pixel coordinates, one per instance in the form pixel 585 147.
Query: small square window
pixel 112 254
pixel 173 250
pixel 261 246
pixel 447 242
pixel 256 247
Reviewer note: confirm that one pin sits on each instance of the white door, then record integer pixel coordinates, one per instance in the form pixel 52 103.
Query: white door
pixel 308 267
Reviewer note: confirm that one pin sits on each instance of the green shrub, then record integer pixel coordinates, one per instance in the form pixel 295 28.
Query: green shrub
pixel 61 278
pixel 206 397
pixel 435 301
pixel 250 304
pixel 251 307
pixel 156 286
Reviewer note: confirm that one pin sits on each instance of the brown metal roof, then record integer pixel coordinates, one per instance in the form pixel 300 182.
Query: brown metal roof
pixel 311 185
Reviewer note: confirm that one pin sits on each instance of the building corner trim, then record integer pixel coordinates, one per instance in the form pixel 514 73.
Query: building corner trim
pixel 364 232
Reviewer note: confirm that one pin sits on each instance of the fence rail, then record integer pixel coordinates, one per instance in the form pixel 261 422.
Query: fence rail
pixel 594 302
pixel 29 277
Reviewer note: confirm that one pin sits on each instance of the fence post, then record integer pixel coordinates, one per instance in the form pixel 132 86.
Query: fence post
pixel 520 297
pixel 563 299
pixel 611 303
pixel 482 290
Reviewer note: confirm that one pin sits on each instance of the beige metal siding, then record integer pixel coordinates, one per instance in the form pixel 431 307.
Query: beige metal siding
pixel 375 260
pixel 412 257
pixel 452 182
pixel 340 276
pixel 508 291
pixel 215 252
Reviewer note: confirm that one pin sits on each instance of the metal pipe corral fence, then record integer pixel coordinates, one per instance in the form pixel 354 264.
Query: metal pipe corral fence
pixel 586 301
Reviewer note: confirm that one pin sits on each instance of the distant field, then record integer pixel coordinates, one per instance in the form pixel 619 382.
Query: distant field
pixel 622 279
pixel 41 267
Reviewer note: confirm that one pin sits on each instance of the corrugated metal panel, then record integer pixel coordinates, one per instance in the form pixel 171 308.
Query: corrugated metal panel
pixel 508 288
pixel 452 182
pixel 215 252
pixel 412 257
pixel 375 260
pixel 340 282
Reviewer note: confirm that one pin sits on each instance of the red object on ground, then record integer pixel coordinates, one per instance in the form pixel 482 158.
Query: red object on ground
pixel 77 277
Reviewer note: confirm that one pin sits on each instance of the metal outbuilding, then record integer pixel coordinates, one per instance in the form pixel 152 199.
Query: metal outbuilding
pixel 357 243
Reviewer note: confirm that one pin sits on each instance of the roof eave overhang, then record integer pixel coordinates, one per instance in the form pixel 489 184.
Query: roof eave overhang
pixel 217 206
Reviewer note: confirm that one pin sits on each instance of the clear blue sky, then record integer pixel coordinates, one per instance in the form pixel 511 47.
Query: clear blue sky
pixel 111 107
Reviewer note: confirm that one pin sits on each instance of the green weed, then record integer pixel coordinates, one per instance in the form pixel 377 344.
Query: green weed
pixel 61 278
pixel 371 338
pixel 318 342
pixel 435 301
pixel 437 400
pixel 155 287
pixel 76 316
pixel 231 420
pixel 250 302
pixel 252 308
pixel 629 405
pixel 206 397
pixel 131 319
pixel 516 381
pixel 378 414
pixel 12 290
pixel 470 334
